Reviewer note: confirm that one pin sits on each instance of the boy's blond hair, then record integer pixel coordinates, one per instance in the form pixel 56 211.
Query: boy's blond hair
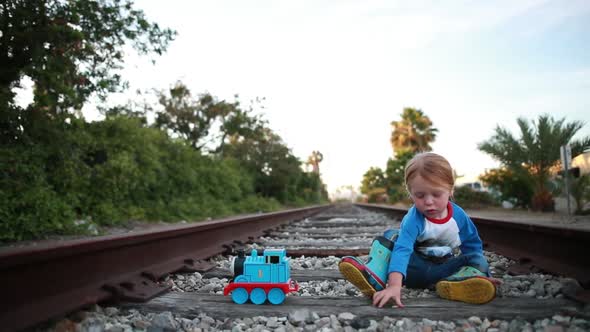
pixel 433 168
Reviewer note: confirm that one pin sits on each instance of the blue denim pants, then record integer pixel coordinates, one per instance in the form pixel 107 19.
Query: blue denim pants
pixel 422 272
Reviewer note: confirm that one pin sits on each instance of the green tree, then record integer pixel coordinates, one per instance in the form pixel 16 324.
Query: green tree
pixel 536 152
pixel 414 132
pixel 206 123
pixel 274 168
pixel 240 124
pixel 372 179
pixel 395 175
pixel 410 135
pixel 70 49
pixel 183 116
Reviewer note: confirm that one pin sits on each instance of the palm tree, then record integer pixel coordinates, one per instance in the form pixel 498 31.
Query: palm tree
pixel 314 160
pixel 413 133
pixel 536 152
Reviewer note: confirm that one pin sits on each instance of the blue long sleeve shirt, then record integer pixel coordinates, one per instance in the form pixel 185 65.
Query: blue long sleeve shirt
pixel 437 238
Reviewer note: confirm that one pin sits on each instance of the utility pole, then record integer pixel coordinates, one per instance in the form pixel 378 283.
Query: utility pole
pixel 566 159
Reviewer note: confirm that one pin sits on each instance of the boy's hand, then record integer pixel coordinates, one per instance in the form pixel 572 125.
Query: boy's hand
pixel 391 292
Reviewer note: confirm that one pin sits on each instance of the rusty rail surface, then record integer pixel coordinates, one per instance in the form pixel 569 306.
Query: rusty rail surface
pixel 42 282
pixel 536 248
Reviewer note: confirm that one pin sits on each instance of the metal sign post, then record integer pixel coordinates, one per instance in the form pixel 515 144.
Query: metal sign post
pixel 566 160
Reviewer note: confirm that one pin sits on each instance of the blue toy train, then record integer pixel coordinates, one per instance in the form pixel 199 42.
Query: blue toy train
pixel 259 278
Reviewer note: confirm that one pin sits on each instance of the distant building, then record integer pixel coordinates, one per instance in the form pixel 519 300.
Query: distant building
pixel 476 186
pixel 582 162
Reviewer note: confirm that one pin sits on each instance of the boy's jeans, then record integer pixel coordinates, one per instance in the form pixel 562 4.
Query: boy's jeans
pixel 422 273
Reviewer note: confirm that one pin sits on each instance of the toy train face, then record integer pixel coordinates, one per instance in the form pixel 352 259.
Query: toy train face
pixel 259 278
pixel 272 266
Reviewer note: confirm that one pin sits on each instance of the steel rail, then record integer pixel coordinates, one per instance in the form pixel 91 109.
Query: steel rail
pixel 39 283
pixel 536 248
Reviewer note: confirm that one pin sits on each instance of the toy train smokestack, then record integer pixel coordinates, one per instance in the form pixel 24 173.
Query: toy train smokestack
pixel 237 264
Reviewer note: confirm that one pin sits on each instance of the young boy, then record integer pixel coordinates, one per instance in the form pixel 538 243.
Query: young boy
pixel 422 252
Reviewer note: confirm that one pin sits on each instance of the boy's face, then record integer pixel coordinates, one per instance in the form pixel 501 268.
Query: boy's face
pixel 430 199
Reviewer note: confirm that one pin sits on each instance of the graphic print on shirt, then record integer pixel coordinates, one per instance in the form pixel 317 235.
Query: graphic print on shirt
pixel 438 240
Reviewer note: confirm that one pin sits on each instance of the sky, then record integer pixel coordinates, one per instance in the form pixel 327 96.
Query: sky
pixel 335 74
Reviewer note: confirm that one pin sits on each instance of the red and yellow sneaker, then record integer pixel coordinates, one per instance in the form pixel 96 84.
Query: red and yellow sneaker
pixel 354 271
pixel 467 285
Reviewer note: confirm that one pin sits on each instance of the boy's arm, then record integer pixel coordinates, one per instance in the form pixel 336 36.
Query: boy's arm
pixel 404 245
pixel 398 264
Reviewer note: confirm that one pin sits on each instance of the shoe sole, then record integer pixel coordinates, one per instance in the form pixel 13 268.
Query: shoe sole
pixel 476 290
pixel 357 278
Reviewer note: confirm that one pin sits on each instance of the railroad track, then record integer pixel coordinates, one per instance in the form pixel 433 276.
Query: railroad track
pixel 325 300
pixel 44 281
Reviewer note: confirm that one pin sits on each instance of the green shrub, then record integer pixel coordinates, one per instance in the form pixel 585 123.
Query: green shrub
pixel 469 198
pixel 513 186
pixel 117 170
pixel 377 195
pixel 29 207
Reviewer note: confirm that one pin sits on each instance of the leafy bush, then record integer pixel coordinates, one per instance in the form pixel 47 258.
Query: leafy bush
pixel 29 207
pixel 117 170
pixel 469 198
pixel 579 188
pixel 377 195
pixel 253 203
pixel 543 201
pixel 513 186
